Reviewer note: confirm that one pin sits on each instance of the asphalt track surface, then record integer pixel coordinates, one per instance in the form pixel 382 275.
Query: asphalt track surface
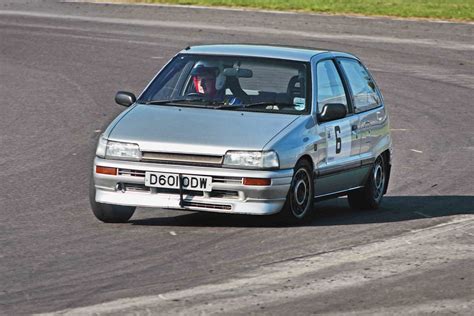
pixel 60 66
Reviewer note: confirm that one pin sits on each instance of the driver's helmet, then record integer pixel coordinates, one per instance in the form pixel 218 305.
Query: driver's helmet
pixel 204 76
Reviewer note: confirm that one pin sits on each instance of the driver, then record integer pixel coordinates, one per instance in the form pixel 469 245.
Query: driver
pixel 208 79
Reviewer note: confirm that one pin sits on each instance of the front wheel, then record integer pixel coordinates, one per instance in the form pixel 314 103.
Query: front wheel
pixel 370 196
pixel 109 213
pixel 299 201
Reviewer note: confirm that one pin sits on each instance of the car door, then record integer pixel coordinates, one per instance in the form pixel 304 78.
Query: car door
pixel 339 156
pixel 368 105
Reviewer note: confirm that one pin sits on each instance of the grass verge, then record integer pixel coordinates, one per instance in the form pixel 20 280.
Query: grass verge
pixel 434 9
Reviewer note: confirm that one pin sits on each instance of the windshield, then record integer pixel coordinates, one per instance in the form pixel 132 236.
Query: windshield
pixel 230 83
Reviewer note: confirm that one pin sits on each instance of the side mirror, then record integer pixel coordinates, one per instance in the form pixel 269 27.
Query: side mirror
pixel 125 98
pixel 332 111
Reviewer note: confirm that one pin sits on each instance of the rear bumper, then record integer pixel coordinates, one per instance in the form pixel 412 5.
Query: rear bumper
pixel 228 194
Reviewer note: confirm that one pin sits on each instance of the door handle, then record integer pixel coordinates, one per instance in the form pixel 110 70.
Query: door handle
pixel 354 132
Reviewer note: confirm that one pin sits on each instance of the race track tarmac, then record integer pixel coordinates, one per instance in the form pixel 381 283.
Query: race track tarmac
pixel 60 66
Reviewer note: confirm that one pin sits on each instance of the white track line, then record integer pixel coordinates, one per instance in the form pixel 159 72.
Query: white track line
pixel 246 29
pixel 264 284
pixel 247 9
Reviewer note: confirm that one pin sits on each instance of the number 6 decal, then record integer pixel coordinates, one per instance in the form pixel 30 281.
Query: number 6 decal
pixel 337 132
pixel 339 141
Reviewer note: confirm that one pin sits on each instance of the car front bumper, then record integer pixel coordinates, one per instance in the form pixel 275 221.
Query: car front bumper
pixel 228 195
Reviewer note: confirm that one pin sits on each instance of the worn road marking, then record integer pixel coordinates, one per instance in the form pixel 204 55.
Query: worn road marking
pixel 416 151
pixel 279 282
pixel 448 306
pixel 422 214
pixel 97 38
pixel 451 45
pixel 250 9
pixel 444 74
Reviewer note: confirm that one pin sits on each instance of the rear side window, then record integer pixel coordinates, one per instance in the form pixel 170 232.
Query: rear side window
pixel 329 85
pixel 362 86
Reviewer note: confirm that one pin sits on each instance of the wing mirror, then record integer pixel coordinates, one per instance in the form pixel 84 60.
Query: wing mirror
pixel 332 111
pixel 125 98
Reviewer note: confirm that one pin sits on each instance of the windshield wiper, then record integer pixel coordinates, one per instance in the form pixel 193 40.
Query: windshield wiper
pixel 249 105
pixel 213 104
pixel 161 102
pixel 183 102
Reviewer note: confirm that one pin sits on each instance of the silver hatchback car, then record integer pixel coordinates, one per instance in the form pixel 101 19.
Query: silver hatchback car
pixel 246 129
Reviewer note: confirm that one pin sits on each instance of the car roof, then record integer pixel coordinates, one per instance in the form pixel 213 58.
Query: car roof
pixel 265 51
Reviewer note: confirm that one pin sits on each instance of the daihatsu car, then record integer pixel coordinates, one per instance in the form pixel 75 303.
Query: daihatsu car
pixel 246 129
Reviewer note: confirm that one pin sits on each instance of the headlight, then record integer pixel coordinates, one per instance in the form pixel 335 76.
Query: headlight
pixel 101 147
pixel 124 151
pixel 252 159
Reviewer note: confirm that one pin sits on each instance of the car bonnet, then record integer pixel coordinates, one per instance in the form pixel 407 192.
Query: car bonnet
pixel 197 130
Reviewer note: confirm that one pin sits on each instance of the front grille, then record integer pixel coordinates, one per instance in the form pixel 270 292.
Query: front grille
pixel 186 159
pixel 216 179
pixel 230 180
pixel 208 206
pixel 132 173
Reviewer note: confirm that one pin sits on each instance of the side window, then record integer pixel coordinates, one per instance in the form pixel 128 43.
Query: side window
pixel 329 85
pixel 362 86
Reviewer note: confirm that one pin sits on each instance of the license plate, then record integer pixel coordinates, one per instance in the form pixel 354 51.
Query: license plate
pixel 171 181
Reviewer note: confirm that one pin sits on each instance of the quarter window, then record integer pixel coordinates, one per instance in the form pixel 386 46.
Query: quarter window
pixel 362 86
pixel 329 85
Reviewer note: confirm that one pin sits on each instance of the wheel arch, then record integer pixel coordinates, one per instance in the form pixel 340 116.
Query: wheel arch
pixel 388 164
pixel 307 158
pixel 287 212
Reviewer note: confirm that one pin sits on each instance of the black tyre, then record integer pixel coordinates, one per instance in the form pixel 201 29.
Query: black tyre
pixel 109 213
pixel 299 201
pixel 370 196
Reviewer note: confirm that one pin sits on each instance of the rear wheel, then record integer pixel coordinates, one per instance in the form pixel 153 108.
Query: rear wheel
pixel 109 213
pixel 299 201
pixel 370 196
